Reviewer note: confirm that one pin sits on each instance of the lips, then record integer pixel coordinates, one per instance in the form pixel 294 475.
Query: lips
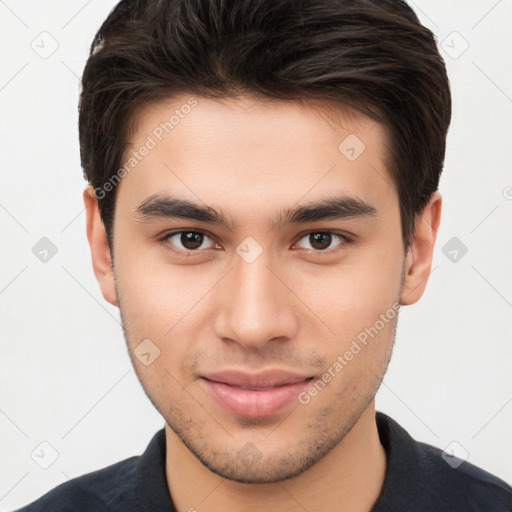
pixel 264 379
pixel 254 395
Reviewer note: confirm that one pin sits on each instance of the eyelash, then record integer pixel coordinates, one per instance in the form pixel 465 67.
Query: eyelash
pixel 190 253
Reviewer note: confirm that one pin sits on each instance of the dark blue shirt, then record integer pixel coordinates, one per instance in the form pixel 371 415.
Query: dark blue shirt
pixel 417 479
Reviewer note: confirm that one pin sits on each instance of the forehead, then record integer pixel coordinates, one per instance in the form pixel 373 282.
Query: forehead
pixel 253 153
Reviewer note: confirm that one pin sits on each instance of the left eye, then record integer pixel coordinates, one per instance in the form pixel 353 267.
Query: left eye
pixel 321 240
pixel 189 240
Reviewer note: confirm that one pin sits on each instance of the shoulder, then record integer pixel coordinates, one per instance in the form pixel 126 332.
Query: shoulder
pixel 422 477
pixel 457 481
pixel 136 483
pixel 104 490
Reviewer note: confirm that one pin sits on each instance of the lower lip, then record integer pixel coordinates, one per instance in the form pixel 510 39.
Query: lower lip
pixel 254 404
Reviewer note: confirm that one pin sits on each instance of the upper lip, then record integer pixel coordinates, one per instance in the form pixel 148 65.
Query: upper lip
pixel 264 379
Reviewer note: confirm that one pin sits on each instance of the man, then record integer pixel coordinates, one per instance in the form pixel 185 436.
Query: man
pixel 262 200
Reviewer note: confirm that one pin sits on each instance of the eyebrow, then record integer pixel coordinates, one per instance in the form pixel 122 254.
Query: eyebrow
pixel 159 206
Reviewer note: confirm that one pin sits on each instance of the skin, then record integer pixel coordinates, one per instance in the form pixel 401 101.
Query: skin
pixel 295 307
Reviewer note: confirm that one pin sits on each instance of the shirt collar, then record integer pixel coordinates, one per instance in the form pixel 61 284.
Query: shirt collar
pixel 152 491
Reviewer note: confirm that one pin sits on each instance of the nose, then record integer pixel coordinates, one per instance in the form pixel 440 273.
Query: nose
pixel 256 305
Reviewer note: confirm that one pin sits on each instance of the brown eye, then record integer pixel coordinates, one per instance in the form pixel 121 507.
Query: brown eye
pixel 189 240
pixel 321 240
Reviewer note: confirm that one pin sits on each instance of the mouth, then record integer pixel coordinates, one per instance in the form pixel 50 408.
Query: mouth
pixel 254 395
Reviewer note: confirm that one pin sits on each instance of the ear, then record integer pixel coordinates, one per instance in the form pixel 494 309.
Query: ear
pixel 418 260
pixel 100 251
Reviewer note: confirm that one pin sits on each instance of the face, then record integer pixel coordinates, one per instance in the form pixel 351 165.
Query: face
pixel 258 264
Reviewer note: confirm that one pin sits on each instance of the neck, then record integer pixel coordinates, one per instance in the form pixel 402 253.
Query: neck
pixel 348 478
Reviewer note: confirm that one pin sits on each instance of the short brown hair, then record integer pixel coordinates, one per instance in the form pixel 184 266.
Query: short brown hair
pixel 373 55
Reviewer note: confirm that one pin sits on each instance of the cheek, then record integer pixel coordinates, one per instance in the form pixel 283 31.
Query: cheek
pixel 158 303
pixel 162 302
pixel 351 296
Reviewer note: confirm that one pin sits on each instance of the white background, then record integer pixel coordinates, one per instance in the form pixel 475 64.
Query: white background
pixel 65 374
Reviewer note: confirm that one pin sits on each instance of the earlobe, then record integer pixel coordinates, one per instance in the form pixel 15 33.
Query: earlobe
pixel 418 260
pixel 100 251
